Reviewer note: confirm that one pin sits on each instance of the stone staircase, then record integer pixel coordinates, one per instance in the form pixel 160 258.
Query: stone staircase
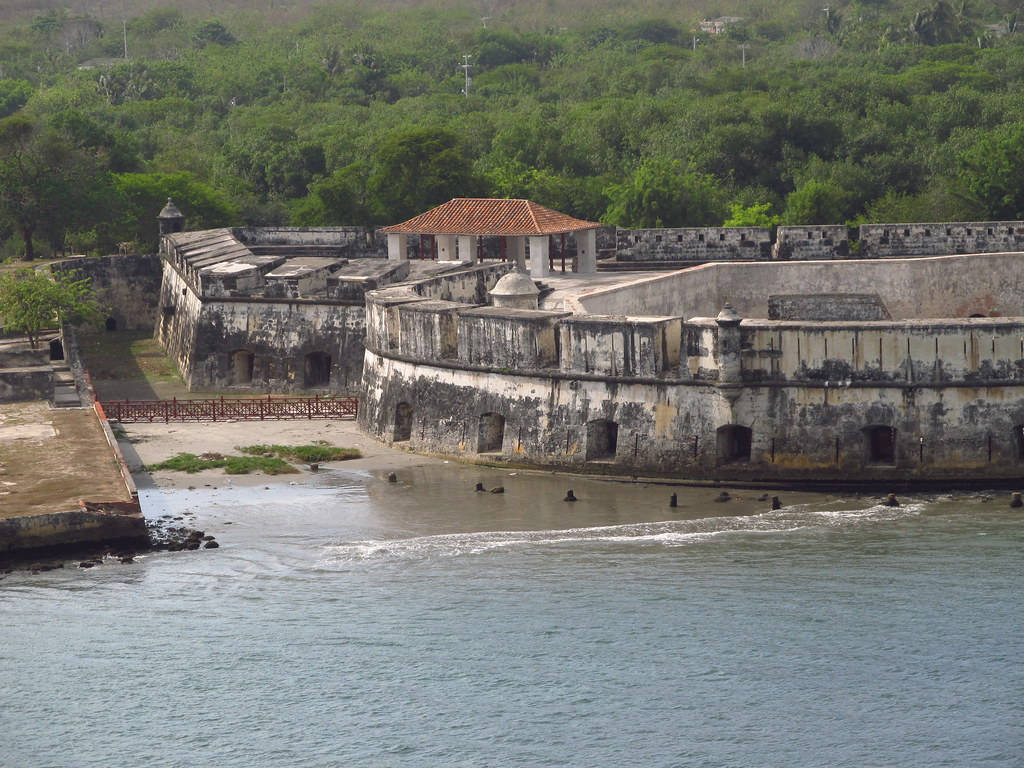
pixel 65 393
pixel 30 374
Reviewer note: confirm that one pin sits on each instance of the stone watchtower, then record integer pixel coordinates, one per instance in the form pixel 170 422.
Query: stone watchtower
pixel 171 219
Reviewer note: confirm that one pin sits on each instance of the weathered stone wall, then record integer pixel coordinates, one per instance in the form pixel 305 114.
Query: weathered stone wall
pixel 946 286
pixel 827 306
pixel 693 244
pixel 359 242
pixel 880 241
pixel 797 431
pixel 487 337
pixel 811 242
pixel 72 528
pixel 203 338
pixel 127 286
pixel 755 400
pixel 24 384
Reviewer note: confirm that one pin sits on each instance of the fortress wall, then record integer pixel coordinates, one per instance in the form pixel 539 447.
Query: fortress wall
pixel 200 336
pixel 808 397
pixel 466 284
pixel 179 313
pixel 509 338
pixel 361 242
pixel 944 286
pixel 811 242
pixel 617 346
pixel 693 244
pixel 127 286
pixel 427 329
pixel 971 350
pixel 879 241
pixel 280 335
pixel 914 352
pixel 797 432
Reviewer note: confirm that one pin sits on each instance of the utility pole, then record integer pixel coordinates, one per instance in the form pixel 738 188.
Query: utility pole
pixel 124 25
pixel 464 66
pixel 743 49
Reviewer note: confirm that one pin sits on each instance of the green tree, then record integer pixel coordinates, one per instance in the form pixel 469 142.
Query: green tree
pixel 13 95
pixel 417 169
pixel 661 193
pixel 31 301
pixel 338 199
pixel 47 184
pixel 757 215
pixel 143 195
pixel 814 202
pixel 993 172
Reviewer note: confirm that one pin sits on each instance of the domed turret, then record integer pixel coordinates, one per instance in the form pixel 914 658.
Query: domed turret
pixel 515 290
pixel 171 219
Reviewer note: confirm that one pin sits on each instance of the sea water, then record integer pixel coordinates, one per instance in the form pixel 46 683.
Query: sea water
pixel 348 621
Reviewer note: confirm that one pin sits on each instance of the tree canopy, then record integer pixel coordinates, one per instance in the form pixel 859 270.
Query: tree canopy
pixel 31 301
pixel 339 112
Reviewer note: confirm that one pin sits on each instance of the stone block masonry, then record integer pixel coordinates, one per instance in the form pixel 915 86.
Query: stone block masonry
pixel 868 401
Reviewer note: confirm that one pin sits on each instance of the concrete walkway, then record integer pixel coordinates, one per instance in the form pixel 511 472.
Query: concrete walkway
pixel 50 459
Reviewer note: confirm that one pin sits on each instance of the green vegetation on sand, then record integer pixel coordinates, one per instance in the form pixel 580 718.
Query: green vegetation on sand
pixel 307 454
pixel 269 459
pixel 232 465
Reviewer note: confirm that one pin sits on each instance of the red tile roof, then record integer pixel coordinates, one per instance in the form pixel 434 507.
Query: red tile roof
pixel 489 216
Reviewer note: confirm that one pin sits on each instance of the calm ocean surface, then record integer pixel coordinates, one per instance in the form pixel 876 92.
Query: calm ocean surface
pixel 352 622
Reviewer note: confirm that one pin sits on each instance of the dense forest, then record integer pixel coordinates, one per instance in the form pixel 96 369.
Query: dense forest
pixel 357 113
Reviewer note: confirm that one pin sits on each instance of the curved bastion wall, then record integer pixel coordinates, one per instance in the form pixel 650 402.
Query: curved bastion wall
pixel 712 398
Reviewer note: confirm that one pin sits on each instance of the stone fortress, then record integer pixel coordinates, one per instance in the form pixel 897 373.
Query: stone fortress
pixel 897 355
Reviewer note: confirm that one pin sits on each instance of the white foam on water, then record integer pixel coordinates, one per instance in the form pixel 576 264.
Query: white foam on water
pixel 669 533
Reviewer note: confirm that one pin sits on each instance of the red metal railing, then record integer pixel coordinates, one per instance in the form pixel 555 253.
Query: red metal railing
pixel 231 409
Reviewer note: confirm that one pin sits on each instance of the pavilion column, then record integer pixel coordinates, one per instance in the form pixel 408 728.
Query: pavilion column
pixel 517 251
pixel 539 258
pixel 467 248
pixel 397 245
pixel 586 251
pixel 445 247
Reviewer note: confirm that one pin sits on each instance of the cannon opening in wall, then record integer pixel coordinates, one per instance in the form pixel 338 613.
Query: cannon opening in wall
pixel 242 364
pixel 491 434
pixel 733 443
pixel 602 440
pixel 403 423
pixel 881 444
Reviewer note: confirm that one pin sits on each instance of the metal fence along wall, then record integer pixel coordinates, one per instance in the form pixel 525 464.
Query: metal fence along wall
pixel 221 409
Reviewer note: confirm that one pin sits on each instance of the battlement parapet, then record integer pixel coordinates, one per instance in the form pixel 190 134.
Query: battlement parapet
pixel 923 352
pixel 881 241
pixel 693 244
pixel 811 242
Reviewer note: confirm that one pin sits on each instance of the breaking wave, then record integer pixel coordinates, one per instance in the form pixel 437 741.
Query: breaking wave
pixel 664 534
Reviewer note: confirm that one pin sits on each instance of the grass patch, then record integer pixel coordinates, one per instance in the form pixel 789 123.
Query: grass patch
pixel 126 356
pixel 232 465
pixel 306 454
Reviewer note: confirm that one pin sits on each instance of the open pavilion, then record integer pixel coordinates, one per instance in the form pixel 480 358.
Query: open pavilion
pixel 455 229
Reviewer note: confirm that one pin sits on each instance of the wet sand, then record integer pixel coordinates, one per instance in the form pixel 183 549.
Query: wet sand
pixel 145 444
pixel 432 483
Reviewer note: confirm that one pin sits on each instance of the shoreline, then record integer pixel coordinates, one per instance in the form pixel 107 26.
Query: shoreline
pixel 144 444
